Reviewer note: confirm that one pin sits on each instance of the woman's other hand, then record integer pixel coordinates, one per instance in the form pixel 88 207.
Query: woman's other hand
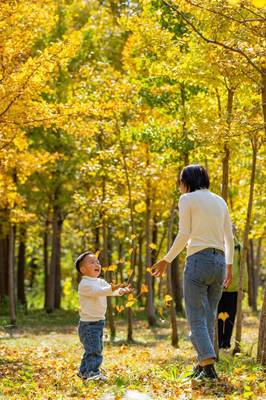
pixel 159 268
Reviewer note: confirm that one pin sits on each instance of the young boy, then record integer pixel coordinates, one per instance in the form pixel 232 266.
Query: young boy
pixel 92 292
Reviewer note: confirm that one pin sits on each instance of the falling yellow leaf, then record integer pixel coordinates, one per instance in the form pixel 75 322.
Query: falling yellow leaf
pixel 120 308
pixel 130 251
pixel 112 267
pixel 132 237
pixel 152 246
pixel 223 316
pixel 167 299
pixel 144 288
pixel 148 269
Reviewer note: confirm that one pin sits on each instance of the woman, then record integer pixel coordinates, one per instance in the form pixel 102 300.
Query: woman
pixel 205 226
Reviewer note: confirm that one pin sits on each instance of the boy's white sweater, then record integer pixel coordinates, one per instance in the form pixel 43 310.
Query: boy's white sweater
pixel 92 298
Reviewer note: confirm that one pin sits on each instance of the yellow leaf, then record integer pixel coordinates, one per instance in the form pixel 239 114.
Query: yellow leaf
pixel 167 298
pixel 130 297
pixel 144 288
pixel 152 246
pixel 112 267
pixel 120 308
pixel 130 304
pixel 130 251
pixel 148 269
pixel 133 237
pixel 223 316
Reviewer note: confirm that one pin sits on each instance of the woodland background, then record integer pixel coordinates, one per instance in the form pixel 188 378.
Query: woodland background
pixel 102 103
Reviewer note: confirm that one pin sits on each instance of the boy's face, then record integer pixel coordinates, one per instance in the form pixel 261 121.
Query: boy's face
pixel 90 266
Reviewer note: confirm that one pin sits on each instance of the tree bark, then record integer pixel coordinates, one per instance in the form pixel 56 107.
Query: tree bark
pixel 229 112
pixel 54 290
pixel 150 304
pixel 46 261
pixel 4 240
pixel 244 251
pixel 176 285
pixel 174 338
pixel 252 295
pixel 261 356
pixel 11 277
pixel 21 267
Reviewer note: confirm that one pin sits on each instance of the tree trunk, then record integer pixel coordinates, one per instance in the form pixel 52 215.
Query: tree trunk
pixel 252 300
pixel 133 234
pixel 54 290
pixel 58 289
pixel 3 263
pixel 105 264
pixel 11 277
pixel 244 251
pixel 169 279
pixel 150 304
pixel 21 267
pixel 261 356
pixel 176 286
pixel 229 111
pixel 140 266
pixel 263 95
pixel 46 261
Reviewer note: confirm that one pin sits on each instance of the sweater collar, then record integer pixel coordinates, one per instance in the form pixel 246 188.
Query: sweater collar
pixel 90 278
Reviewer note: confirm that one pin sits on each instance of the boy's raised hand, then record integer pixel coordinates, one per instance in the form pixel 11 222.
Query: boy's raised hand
pixel 125 290
pixel 116 286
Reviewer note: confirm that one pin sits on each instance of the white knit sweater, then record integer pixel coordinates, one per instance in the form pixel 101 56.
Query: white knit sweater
pixel 204 222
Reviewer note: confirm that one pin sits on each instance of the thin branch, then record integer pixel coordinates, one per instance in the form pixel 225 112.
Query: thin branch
pixel 208 40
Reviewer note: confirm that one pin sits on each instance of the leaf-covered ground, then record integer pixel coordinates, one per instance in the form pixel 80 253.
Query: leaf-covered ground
pixel 40 361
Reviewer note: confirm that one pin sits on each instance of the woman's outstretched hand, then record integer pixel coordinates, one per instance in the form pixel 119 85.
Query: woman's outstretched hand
pixel 159 268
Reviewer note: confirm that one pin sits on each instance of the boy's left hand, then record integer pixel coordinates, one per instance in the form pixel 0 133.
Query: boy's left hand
pixel 125 290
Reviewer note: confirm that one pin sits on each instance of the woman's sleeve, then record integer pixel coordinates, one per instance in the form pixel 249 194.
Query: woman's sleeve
pixel 184 229
pixel 228 239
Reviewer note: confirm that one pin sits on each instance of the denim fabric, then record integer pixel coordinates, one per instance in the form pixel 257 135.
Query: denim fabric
pixel 204 276
pixel 91 336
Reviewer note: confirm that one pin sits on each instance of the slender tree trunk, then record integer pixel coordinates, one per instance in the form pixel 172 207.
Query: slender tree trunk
pixel 11 277
pixel 263 95
pixel 58 289
pixel 176 286
pixel 133 235
pixel 229 111
pixel 21 267
pixel 4 240
pixel 252 301
pixel 140 265
pixel 244 251
pixel 261 356
pixel 105 264
pixel 150 304
pixel 46 261
pixel 169 280
pixel 53 298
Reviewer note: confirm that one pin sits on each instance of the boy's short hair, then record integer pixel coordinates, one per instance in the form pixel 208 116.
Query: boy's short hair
pixel 81 258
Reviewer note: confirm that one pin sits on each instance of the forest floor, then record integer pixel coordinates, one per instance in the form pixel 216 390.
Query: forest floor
pixel 40 360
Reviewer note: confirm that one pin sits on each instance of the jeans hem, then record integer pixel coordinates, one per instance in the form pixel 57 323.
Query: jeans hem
pixel 208 355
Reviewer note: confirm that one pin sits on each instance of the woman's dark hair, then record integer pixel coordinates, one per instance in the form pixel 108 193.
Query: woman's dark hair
pixel 195 177
pixel 80 258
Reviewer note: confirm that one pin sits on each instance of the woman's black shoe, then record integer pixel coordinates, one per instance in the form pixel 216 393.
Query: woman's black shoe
pixel 196 371
pixel 208 372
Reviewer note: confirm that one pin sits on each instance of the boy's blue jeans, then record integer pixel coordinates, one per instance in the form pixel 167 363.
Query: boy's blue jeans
pixel 204 276
pixel 91 336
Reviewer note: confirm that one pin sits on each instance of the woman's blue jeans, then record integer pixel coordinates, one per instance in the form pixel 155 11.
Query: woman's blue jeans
pixel 204 276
